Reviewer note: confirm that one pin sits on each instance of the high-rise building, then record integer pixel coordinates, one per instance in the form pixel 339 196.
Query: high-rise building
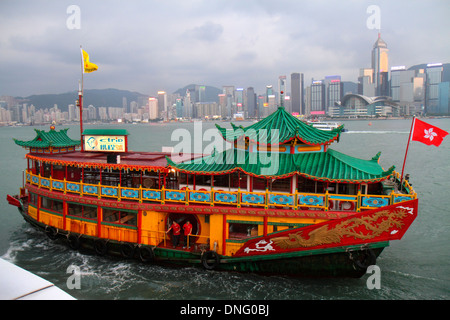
pixel 380 65
pixel 433 80
pixel 251 103
pixel 366 87
pixel 407 89
pixel 162 104
pixel 152 108
pixel 297 102
pixel 282 85
pixel 318 97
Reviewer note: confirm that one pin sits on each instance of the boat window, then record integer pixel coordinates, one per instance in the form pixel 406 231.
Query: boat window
pixel 222 181
pixel 91 175
pixel 238 180
pixel 131 179
pixel 305 185
pixel 110 177
pixel 82 211
pixel 47 170
pixel 259 183
pixel 150 180
pixel 73 173
pixel 52 204
pixel 33 198
pixel 120 217
pixel 283 185
pixel 172 181
pixel 242 230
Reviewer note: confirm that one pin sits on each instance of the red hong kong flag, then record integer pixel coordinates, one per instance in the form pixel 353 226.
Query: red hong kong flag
pixel 428 134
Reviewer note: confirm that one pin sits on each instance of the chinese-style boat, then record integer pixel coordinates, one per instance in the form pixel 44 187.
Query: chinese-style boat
pixel 279 201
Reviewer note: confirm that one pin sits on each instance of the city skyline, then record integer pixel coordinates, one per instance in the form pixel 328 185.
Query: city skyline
pixel 152 46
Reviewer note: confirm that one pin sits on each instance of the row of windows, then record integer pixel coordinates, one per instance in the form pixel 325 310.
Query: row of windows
pixel 128 218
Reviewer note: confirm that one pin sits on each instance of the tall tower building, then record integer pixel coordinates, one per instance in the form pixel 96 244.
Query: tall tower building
pixel 281 88
pixel 297 104
pixel 380 65
pixel 251 102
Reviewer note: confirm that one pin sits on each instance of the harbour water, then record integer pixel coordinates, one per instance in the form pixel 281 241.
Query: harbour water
pixel 416 267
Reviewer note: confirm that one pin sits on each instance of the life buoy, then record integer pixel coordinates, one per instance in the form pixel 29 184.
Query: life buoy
pixel 74 241
pixel 127 250
pixel 365 259
pixel 51 232
pixel 146 254
pixel 100 247
pixel 206 260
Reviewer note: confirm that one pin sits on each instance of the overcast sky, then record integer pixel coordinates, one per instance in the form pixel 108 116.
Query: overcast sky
pixel 149 45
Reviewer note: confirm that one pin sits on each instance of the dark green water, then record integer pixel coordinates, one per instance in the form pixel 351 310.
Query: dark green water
pixel 416 267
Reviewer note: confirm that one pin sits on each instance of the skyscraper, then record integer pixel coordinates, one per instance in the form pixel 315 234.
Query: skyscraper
pixel 380 65
pixel 297 93
pixel 251 102
pixel 281 89
pixel 433 80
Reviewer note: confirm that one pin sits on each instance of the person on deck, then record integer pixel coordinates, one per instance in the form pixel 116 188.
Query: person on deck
pixel 176 230
pixel 187 227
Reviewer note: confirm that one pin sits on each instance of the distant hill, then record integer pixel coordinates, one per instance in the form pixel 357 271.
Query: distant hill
pixel 96 97
pixel 211 93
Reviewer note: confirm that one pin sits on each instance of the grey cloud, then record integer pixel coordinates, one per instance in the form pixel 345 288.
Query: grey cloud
pixel 209 31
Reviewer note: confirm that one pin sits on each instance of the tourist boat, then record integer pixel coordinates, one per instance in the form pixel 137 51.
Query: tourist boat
pixel 278 201
pixel 327 126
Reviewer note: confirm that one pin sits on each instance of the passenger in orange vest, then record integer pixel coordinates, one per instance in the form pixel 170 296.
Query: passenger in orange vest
pixel 175 227
pixel 187 227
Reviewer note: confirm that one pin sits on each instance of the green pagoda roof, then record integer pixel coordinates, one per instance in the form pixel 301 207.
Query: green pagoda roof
pixel 330 166
pixel 52 138
pixel 278 128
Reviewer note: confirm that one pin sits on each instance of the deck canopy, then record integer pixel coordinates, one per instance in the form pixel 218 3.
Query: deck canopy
pixel 331 166
pixel 47 139
pixel 279 128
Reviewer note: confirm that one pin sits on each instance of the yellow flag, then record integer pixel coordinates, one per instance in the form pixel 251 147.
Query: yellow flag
pixel 88 66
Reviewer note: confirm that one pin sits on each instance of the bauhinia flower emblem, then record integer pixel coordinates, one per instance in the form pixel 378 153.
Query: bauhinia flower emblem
pixel 429 134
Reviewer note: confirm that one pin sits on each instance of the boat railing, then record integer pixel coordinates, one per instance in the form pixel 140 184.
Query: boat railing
pixel 266 199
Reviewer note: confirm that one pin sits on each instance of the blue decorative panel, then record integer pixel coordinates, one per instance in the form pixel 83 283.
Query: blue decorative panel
pixel 73 187
pixel 281 199
pixel 225 197
pixel 175 195
pixel 35 179
pixel 401 199
pixel 199 196
pixel 310 200
pixel 151 195
pixel 129 193
pixel 90 189
pixel 45 182
pixel 58 185
pixel 253 198
pixel 108 191
pixel 374 202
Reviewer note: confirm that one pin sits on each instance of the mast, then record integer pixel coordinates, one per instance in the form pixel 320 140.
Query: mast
pixel 80 99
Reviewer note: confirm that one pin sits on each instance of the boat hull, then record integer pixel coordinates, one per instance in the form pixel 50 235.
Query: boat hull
pixel 348 261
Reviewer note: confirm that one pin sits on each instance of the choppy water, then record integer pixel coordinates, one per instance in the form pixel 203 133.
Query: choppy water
pixel 416 267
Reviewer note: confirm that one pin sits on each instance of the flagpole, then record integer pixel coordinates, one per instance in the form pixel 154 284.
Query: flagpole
pixel 406 153
pixel 80 100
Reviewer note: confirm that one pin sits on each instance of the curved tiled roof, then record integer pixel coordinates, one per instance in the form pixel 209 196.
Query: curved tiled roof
pixel 52 138
pixel 278 128
pixel 330 166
